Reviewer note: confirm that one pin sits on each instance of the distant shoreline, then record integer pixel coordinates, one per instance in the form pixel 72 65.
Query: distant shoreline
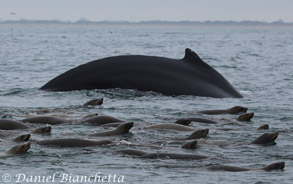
pixel 153 23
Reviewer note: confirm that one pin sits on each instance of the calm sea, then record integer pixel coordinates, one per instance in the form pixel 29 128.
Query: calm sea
pixel 256 60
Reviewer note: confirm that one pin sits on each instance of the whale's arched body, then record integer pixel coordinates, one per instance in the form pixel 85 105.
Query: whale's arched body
pixel 187 76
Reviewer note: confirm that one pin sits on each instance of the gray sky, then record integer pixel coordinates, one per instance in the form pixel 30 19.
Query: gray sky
pixel 137 10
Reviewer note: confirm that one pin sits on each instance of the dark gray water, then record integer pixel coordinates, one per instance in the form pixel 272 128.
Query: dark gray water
pixel 256 60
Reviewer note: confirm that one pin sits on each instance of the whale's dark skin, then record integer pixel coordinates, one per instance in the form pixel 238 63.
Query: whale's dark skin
pixel 187 76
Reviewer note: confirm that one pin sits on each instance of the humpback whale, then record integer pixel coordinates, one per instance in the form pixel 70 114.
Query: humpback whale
pixel 187 76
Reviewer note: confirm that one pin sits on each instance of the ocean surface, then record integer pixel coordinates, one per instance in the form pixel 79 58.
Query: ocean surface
pixel 256 60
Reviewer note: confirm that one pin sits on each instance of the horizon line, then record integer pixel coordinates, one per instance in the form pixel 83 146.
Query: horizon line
pixel 165 22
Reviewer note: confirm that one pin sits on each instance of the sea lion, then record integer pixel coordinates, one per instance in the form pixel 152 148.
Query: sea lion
pixel 266 138
pixel 245 117
pixel 226 129
pixel 90 116
pixel 187 76
pixel 121 129
pixel 22 138
pixel 274 166
pixel 189 145
pixel 263 127
pixel 197 134
pixel 170 126
pixel 202 120
pixel 73 142
pixel 233 110
pixel 185 122
pixel 112 124
pixel 45 120
pixel 101 120
pixel 18 149
pixel 94 102
pixel 42 130
pixel 6 124
pixel 173 156
pixel 54 110
pixel 131 152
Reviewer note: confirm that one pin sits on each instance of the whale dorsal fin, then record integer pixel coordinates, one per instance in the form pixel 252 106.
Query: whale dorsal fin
pixel 191 56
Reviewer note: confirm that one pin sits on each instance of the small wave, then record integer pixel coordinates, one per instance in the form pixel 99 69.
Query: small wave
pixel 13 91
pixel 227 66
pixel 126 93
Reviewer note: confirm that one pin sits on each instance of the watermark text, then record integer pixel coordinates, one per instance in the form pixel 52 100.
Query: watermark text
pixel 97 177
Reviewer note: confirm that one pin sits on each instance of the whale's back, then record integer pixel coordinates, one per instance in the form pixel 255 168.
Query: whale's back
pixel 187 76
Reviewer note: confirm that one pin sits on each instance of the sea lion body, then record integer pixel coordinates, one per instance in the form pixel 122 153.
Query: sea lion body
pixel 73 142
pixel 112 124
pixel 90 116
pixel 101 120
pixel 263 139
pixel 131 152
pixel 233 110
pixel 173 156
pixel 227 168
pixel 171 126
pixel 6 124
pixel 274 166
pixel 185 122
pixel 202 120
pixel 45 120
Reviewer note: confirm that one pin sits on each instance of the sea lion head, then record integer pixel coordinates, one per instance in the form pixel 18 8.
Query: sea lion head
pixel 266 138
pixel 274 166
pixel 198 134
pixel 237 109
pixel 189 145
pixel 185 122
pixel 43 130
pixel 263 127
pixel 124 127
pixel 22 138
pixel 98 101
pixel 19 149
pixel 245 117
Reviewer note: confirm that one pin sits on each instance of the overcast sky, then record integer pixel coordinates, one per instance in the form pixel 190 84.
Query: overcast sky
pixel 137 10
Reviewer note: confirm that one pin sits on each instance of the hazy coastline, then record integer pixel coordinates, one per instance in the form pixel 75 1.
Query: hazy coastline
pixel 154 22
